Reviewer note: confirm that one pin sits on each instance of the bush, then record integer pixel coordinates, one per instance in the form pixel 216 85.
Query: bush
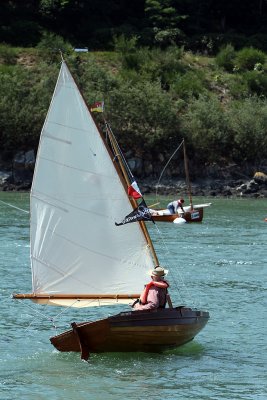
pixel 23 106
pixel 248 126
pixel 211 43
pixel 148 118
pixel 248 57
pixel 51 45
pixel 205 123
pixel 96 82
pixel 127 50
pixel 238 86
pixel 150 65
pixel 256 82
pixel 8 55
pixel 191 84
pixel 226 57
pixel 164 65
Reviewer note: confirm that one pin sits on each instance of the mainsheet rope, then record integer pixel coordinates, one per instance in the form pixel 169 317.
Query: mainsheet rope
pixel 162 172
pixel 174 280
pixel 17 208
pixel 44 316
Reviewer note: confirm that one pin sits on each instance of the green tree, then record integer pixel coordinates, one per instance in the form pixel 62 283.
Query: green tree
pixel 143 116
pixel 205 124
pixel 226 58
pixel 23 106
pixel 247 58
pixel 164 21
pixel 247 122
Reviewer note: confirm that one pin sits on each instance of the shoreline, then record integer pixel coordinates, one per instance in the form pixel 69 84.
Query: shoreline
pixel 253 188
pixel 228 180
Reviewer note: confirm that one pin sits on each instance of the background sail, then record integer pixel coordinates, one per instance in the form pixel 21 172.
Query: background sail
pixel 76 198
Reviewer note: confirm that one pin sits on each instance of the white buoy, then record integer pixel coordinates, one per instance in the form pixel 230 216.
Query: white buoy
pixel 179 221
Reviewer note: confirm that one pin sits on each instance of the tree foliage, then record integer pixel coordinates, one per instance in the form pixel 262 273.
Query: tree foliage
pixel 154 22
pixel 143 115
pixel 169 69
pixel 248 127
pixel 205 125
pixel 247 58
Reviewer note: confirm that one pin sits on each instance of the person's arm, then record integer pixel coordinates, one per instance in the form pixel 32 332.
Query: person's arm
pixel 180 205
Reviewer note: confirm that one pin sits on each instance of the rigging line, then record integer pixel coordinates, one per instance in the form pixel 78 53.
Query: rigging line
pixel 17 208
pixel 31 323
pixel 66 308
pixel 121 153
pixel 61 54
pixel 37 313
pixel 50 319
pixel 114 150
pixel 53 319
pixel 167 251
pixel 162 172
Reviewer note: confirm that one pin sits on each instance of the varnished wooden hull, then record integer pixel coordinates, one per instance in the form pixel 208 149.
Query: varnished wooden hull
pixel 189 216
pixel 147 331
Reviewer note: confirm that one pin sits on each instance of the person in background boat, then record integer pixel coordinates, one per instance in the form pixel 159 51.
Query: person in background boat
pixel 176 207
pixel 155 292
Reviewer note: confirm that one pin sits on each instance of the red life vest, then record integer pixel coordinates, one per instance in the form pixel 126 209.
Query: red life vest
pixel 160 284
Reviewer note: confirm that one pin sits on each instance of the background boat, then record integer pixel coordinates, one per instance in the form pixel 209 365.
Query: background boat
pixel 193 213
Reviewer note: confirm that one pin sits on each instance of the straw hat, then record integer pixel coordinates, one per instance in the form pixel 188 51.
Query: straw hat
pixel 158 271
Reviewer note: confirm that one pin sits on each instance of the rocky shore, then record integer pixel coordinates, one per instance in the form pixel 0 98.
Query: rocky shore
pixel 227 181
pixel 254 188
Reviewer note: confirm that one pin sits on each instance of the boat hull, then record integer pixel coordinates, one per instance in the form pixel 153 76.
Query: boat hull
pixel 146 331
pixel 189 216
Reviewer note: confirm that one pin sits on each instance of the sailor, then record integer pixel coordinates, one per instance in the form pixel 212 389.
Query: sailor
pixel 155 292
pixel 176 206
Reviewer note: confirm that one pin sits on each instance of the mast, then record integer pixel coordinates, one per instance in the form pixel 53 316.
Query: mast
pixel 188 183
pixel 117 152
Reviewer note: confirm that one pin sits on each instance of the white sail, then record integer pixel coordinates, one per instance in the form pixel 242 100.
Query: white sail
pixel 76 198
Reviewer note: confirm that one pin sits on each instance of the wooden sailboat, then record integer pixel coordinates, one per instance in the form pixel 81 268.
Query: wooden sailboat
pixel 79 257
pixel 193 213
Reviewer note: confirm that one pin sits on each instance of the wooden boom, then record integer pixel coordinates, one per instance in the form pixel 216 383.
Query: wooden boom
pixel 23 296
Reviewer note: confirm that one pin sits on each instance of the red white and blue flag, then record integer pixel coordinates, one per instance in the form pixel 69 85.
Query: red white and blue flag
pixel 134 191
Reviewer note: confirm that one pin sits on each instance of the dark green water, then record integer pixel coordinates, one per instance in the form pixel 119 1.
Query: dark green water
pixel 218 265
